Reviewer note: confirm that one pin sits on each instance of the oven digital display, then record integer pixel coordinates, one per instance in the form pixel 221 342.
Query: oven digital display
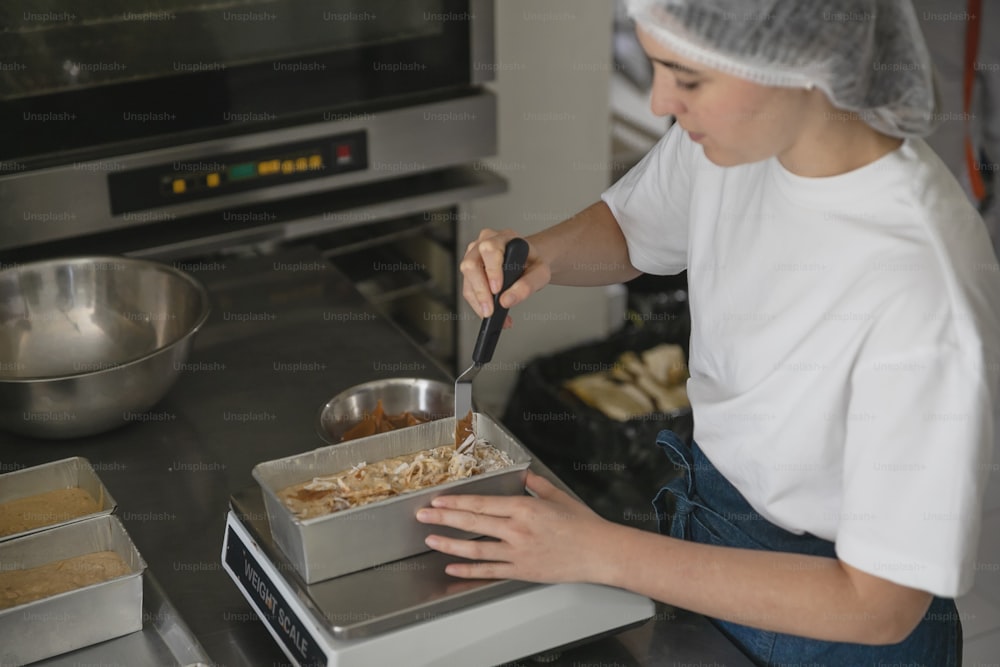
pixel 189 180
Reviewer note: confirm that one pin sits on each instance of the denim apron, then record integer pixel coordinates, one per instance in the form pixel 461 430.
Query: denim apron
pixel 702 506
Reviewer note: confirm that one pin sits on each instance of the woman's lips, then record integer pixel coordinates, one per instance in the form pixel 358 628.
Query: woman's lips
pixel 696 136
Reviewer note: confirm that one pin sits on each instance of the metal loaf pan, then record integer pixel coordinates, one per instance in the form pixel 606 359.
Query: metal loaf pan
pixel 67 621
pixel 363 537
pixel 63 474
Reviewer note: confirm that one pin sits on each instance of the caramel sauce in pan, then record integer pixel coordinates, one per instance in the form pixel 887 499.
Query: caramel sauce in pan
pixel 463 429
pixel 309 495
pixel 379 422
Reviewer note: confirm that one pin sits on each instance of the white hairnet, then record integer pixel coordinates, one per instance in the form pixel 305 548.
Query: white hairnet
pixel 868 56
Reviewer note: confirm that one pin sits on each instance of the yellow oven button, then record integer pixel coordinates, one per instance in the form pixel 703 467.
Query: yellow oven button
pixel 301 164
pixel 268 167
pixel 178 186
pixel 212 180
pixel 315 161
pixel 287 167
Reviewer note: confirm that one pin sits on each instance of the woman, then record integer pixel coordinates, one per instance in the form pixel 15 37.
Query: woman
pixel 844 349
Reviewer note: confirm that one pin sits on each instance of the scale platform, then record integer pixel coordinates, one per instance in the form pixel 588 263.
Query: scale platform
pixel 409 611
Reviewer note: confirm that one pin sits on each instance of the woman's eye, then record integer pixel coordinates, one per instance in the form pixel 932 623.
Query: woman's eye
pixel 687 85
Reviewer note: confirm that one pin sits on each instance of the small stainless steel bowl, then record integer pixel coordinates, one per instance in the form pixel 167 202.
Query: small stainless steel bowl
pixel 430 399
pixel 86 344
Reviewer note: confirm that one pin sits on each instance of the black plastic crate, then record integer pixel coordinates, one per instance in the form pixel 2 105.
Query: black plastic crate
pixel 615 466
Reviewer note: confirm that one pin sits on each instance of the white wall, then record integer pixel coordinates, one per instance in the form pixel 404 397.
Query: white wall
pixel 552 83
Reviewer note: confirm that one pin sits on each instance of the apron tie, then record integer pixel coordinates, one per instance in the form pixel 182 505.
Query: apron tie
pixel 673 517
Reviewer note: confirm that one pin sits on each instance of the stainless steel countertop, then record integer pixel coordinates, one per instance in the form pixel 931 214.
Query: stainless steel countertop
pixel 276 348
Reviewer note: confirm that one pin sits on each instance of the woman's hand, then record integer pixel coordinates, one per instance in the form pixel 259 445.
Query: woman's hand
pixel 550 538
pixel 482 269
pixel 588 249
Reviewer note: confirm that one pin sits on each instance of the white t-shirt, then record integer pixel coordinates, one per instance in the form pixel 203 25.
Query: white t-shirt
pixel 845 345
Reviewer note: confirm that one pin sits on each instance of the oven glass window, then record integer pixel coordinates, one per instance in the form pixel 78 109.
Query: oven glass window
pixel 66 45
pixel 79 81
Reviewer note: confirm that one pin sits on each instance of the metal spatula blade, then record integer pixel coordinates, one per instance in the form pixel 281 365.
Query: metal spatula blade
pixel 514 258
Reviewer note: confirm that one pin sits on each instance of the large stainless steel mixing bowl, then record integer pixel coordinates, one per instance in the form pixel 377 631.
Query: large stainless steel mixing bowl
pixel 88 344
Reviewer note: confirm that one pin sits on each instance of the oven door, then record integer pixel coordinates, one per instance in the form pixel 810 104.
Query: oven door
pixel 86 82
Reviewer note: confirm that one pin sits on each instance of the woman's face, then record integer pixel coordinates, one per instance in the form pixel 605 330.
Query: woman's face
pixel 735 121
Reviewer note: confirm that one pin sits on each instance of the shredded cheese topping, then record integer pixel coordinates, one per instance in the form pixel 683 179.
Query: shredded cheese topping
pixel 366 483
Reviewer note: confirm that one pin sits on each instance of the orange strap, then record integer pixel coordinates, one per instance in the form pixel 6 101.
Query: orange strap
pixel 968 82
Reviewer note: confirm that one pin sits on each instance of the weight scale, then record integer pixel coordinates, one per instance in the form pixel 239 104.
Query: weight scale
pixel 409 612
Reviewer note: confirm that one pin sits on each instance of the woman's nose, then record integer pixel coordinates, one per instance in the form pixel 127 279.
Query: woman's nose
pixel 663 97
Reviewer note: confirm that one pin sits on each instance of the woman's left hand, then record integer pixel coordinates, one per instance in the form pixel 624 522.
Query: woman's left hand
pixel 549 538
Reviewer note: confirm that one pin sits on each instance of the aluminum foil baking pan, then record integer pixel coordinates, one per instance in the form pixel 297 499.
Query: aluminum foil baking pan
pixel 68 621
pixel 362 537
pixel 63 474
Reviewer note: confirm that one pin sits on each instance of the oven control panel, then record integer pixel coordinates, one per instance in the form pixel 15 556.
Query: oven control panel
pixel 205 177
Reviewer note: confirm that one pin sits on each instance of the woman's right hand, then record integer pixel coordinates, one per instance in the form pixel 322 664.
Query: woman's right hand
pixel 482 271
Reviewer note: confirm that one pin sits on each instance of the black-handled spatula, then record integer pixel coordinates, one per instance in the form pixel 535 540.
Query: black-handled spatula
pixel 514 258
